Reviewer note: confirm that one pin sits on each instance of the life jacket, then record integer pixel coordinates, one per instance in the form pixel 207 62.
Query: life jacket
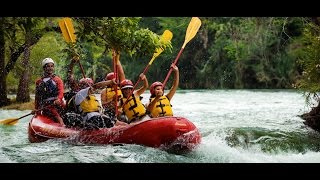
pixel 161 108
pixel 47 90
pixel 89 104
pixel 133 109
pixel 111 93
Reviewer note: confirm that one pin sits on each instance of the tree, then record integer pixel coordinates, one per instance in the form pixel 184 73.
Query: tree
pixel 11 36
pixel 3 85
pixel 8 31
pixel 29 27
pixel 309 59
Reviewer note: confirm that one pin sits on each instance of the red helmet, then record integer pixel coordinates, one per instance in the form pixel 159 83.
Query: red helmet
pixel 110 76
pixel 153 85
pixel 126 84
pixel 85 82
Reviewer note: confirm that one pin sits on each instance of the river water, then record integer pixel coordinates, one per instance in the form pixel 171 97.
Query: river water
pixel 237 126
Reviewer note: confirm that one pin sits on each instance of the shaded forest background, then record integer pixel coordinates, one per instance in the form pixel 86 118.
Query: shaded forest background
pixel 226 53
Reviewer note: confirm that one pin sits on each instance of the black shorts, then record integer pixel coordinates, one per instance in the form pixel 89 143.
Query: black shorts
pixel 73 120
pixel 100 121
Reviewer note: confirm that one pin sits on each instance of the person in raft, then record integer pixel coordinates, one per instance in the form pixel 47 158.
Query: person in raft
pixel 74 85
pixel 133 108
pixel 159 104
pixel 90 110
pixel 49 93
pixel 72 117
pixel 108 94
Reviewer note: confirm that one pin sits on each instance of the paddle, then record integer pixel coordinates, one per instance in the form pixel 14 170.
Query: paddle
pixel 192 30
pixel 67 30
pixel 166 37
pixel 13 121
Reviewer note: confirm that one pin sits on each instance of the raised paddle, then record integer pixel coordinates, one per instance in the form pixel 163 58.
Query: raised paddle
pixel 67 30
pixel 192 30
pixel 166 37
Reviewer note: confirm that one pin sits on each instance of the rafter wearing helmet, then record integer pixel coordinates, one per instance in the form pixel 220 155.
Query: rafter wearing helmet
pixel 132 106
pixel 108 97
pixel 49 93
pixel 159 104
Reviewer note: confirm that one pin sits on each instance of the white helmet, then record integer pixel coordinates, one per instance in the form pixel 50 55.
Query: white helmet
pixel 46 61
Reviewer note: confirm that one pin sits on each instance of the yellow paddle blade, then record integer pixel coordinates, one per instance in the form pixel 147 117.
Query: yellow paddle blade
pixel 67 30
pixel 192 30
pixel 165 38
pixel 11 121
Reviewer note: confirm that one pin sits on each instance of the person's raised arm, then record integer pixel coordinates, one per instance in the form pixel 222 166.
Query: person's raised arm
pixel 103 84
pixel 120 69
pixel 175 82
pixel 145 85
pixel 72 83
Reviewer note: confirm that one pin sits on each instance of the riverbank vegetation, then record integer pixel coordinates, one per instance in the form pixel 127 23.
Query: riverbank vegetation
pixel 19 106
pixel 227 52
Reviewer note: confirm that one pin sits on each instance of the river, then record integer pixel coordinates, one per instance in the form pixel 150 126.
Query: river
pixel 237 126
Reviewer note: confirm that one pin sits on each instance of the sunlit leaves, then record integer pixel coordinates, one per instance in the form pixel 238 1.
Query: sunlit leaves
pixel 121 34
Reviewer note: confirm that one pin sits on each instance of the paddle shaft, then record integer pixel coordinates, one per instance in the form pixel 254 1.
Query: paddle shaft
pixel 80 65
pixel 115 71
pixel 83 74
pixel 31 112
pixel 25 115
pixel 144 72
pixel 175 62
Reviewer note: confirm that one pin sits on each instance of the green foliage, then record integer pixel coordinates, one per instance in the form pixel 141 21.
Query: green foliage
pixel 258 45
pixel 121 34
pixel 95 62
pixel 227 52
pixel 309 59
pixel 178 27
pixel 136 44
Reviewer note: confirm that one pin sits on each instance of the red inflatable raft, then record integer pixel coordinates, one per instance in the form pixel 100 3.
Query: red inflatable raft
pixel 173 134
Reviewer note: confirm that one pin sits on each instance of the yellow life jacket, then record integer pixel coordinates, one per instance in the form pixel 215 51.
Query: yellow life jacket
pixel 161 108
pixel 133 109
pixel 111 93
pixel 90 104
